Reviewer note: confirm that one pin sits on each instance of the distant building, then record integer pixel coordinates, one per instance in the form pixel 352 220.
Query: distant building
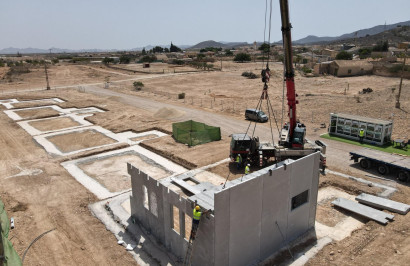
pixel 331 54
pixel 346 68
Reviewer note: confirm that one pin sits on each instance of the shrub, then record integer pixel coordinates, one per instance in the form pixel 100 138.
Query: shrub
pixel 148 58
pixel 177 62
pixel 242 57
pixel 125 59
pixel 343 55
pixel 306 69
pixel 107 60
pixel 181 95
pixel 138 85
pixel 249 75
pixel 398 68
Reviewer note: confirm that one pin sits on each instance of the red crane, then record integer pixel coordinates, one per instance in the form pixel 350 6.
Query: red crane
pixel 293 133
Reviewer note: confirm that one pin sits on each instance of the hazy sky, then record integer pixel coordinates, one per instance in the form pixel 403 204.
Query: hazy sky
pixel 126 24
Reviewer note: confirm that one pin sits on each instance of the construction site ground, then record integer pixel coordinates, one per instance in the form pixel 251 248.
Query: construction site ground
pixel 41 195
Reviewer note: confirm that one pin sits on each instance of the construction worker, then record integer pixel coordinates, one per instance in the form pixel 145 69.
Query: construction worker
pixel 238 161
pixel 195 220
pixel 361 135
pixel 247 169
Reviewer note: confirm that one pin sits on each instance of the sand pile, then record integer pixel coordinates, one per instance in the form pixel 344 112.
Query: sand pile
pixel 168 113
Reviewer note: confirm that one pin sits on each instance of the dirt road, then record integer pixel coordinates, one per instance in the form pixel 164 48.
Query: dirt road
pixel 337 153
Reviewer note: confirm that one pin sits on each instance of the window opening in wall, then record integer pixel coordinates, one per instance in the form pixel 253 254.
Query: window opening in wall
pixel 175 219
pixel 188 226
pixel 145 192
pixel 299 199
pixel 153 204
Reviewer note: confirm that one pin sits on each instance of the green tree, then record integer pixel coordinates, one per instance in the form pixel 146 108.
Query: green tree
pixel 228 52
pixel 125 59
pixel 242 57
pixel 148 58
pixel 174 48
pixel 157 49
pixel 365 52
pixel 344 55
pixel 381 47
pixel 200 56
pixel 265 47
pixel 107 60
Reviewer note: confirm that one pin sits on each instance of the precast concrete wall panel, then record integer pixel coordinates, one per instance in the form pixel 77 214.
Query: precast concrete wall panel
pixel 274 209
pixel 204 242
pixel 314 190
pixel 301 180
pixel 245 222
pixel 222 227
pixel 156 222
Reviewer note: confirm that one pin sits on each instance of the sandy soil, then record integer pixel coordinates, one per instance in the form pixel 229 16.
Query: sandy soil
pixel 79 140
pixel 37 113
pixel 54 123
pixel 229 93
pixel 34 104
pixel 112 172
pixel 189 157
pixel 53 199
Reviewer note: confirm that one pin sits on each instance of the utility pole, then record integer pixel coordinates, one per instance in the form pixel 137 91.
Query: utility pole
pixel 401 77
pixel 45 69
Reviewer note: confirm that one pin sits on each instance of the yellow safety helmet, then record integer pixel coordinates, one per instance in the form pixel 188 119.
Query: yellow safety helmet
pixel 197 208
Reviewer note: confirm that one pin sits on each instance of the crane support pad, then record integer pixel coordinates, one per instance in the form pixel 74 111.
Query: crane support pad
pixel 383 203
pixel 365 211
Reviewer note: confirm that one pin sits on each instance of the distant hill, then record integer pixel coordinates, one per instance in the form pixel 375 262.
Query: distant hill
pixel 311 39
pixel 12 50
pixel 395 35
pixel 215 44
pixel 206 44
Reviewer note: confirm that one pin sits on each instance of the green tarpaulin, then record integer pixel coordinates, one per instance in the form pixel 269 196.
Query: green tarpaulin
pixel 195 133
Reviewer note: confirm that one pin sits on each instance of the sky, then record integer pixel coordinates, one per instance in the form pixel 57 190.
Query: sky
pixel 127 24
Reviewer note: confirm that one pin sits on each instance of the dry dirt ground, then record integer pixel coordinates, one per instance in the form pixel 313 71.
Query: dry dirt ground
pixel 53 199
pixel 229 93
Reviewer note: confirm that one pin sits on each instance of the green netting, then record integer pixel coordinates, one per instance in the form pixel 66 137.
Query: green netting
pixel 6 247
pixel 195 133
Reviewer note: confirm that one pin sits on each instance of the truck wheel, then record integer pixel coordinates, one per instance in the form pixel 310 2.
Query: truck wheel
pixel 383 169
pixel 403 176
pixel 365 164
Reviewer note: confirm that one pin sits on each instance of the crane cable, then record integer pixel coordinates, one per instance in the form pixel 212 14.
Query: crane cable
pixel 259 105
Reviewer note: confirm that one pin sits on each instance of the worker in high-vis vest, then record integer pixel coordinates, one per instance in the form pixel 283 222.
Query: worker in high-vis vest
pixel 361 135
pixel 238 161
pixel 195 220
pixel 196 215
pixel 247 169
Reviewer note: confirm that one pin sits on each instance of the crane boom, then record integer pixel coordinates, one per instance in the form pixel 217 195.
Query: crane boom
pixel 289 137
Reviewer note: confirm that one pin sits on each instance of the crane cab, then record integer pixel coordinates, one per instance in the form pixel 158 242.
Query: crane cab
pixel 244 145
pixel 296 140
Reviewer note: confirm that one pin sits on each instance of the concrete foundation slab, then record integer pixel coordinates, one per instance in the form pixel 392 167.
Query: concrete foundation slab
pixel 383 203
pixel 373 214
pixel 153 165
pixel 30 125
pixel 49 146
pixel 9 104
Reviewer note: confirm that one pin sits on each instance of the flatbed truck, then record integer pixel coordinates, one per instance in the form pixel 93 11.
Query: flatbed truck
pixel 384 162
